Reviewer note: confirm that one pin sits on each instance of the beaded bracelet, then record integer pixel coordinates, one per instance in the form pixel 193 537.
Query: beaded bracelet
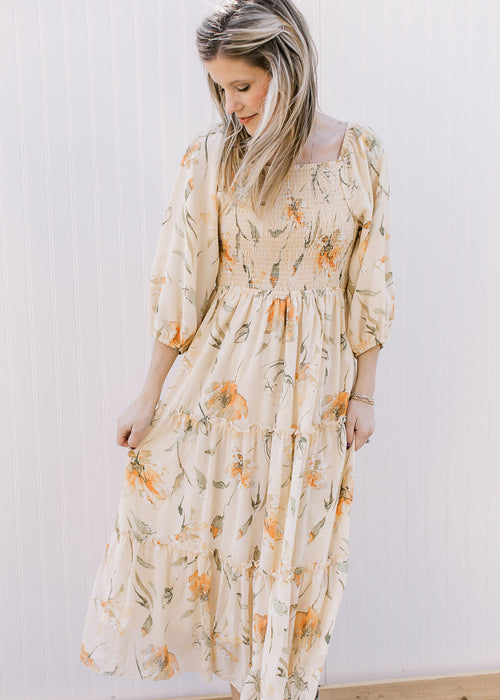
pixel 362 397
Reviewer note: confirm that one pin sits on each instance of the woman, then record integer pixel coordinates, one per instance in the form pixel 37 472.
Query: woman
pixel 272 278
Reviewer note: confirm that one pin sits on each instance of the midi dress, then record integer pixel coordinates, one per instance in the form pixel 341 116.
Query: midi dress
pixel 229 552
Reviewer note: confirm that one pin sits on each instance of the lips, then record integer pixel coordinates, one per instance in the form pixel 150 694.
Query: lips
pixel 246 119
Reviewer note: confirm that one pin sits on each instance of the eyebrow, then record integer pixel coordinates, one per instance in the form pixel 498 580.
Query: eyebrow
pixel 236 81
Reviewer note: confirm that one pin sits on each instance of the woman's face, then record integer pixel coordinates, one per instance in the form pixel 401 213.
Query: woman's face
pixel 245 88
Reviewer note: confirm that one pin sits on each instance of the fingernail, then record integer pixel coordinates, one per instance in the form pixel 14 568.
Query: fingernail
pixel 348 444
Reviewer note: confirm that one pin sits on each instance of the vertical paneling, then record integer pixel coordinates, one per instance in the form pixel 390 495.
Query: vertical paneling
pixel 99 100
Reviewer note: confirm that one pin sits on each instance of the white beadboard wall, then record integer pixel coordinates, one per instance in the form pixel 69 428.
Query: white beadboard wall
pixel 98 101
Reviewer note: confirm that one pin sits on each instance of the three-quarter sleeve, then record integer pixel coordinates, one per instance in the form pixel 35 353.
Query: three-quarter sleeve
pixel 186 259
pixel 370 290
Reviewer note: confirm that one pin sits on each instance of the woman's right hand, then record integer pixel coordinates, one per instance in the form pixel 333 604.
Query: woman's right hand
pixel 134 422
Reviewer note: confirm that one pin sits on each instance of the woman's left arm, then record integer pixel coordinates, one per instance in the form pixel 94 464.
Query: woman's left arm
pixel 360 418
pixel 370 289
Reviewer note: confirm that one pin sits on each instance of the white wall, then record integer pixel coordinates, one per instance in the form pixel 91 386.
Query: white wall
pixel 98 100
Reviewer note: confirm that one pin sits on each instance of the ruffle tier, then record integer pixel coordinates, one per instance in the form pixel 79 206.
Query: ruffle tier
pixel 241 573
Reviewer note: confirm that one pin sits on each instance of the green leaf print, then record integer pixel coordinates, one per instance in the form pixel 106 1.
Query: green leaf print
pixel 217 525
pixel 167 596
pixel 190 295
pixel 201 479
pixel 242 333
pixel 277 232
pixel 145 564
pixel 187 613
pixel 243 529
pixel 148 623
pixel 220 484
pixel 193 227
pixel 177 482
pixel 342 566
pixel 139 528
pixel 275 273
pixel 181 254
pixel 217 559
pixel 254 231
pixel 180 561
pixel 147 600
pixel 258 500
pixel 299 682
pixel 280 607
pixel 297 262
pixel 314 532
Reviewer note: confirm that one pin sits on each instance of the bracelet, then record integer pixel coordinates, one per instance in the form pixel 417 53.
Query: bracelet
pixel 362 397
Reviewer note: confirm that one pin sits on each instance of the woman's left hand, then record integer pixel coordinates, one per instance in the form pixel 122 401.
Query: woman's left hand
pixel 360 422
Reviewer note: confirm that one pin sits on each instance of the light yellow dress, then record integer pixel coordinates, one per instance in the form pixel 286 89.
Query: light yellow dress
pixel 229 553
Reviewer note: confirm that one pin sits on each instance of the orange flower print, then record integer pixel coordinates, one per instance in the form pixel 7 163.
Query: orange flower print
pixel 86 659
pixel 259 627
pixel 189 188
pixel 217 525
pixel 141 476
pixel 226 257
pixel 282 319
pixel 363 243
pixel 186 534
pixel 297 575
pixel 188 157
pixel 329 252
pixel 334 407
pixel 303 372
pixel 223 400
pixel 239 468
pixel 272 527
pixel 160 662
pixel 345 498
pixel 314 475
pixel 199 585
pixel 294 210
pixel 305 629
pixel 155 286
pixel 146 627
pixel 170 332
pixel 221 648
pixel 112 612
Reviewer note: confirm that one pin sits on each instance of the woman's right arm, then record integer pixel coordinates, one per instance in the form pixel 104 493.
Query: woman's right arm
pixel 136 419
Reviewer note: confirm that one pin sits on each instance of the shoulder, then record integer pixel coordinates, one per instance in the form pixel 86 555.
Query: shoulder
pixel 203 147
pixel 367 141
pixel 363 168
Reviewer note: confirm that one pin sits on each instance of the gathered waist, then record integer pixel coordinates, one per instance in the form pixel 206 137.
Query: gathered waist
pixel 280 292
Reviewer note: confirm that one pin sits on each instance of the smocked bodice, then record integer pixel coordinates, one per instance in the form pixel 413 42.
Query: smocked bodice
pixel 303 242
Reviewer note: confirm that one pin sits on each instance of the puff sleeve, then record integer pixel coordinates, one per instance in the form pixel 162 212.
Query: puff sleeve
pixel 186 259
pixel 370 289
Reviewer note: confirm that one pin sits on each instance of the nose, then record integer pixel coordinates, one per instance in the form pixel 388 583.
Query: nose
pixel 231 104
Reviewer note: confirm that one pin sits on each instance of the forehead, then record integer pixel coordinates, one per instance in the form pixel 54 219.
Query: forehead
pixel 226 71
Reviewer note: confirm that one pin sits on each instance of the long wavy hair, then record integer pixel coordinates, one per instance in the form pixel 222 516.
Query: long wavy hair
pixel 273 35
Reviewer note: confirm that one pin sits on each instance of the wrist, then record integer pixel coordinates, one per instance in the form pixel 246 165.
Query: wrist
pixel 366 389
pixel 149 397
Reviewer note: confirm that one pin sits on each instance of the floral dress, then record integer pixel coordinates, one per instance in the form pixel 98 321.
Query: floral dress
pixel 229 552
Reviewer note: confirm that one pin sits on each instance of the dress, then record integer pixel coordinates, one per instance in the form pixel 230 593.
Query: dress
pixel 229 552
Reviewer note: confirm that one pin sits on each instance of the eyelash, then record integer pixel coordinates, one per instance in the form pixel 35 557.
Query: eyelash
pixel 240 89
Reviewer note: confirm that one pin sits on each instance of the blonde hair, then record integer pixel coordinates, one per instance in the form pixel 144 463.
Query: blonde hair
pixel 272 35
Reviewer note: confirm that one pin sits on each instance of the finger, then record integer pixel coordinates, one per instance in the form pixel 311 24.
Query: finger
pixel 361 439
pixel 122 437
pixel 132 441
pixel 349 427
pixel 135 437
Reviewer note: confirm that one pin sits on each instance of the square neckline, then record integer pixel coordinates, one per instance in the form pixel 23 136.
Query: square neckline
pixel 341 154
